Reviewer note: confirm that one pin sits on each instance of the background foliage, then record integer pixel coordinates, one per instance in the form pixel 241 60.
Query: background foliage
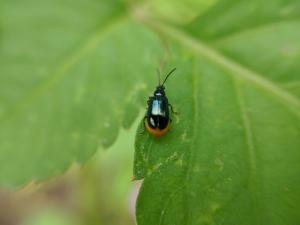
pixel 73 72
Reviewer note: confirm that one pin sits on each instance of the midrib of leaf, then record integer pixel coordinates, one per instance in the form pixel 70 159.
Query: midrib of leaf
pixel 252 154
pixel 61 70
pixel 190 163
pixel 190 158
pixel 236 70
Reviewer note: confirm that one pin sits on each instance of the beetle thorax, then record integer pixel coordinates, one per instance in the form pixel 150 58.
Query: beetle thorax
pixel 160 91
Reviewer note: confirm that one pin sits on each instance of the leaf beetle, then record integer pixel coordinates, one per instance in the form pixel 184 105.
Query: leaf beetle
pixel 157 120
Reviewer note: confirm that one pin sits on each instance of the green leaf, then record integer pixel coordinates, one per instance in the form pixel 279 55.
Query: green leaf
pixel 71 75
pixel 232 156
pixel 177 11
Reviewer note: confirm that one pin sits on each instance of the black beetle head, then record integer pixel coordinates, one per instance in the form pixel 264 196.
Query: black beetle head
pixel 160 91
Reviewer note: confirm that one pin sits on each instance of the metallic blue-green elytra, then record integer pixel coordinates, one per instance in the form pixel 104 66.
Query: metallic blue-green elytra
pixel 157 119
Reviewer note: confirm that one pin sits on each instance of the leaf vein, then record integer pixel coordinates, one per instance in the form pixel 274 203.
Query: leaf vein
pixel 167 202
pixel 252 153
pixel 238 71
pixel 254 29
pixel 194 132
pixel 61 71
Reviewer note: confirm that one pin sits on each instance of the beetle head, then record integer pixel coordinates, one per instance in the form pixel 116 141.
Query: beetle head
pixel 160 91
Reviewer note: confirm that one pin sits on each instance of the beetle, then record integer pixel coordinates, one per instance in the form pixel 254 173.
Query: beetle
pixel 157 120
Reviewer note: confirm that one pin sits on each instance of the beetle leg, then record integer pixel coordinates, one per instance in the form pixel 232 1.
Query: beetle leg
pixel 149 99
pixel 172 110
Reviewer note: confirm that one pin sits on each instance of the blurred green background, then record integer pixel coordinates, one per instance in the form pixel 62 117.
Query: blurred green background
pixel 101 192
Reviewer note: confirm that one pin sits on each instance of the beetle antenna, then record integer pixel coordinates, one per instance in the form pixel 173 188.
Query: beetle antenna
pixel 168 76
pixel 158 74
